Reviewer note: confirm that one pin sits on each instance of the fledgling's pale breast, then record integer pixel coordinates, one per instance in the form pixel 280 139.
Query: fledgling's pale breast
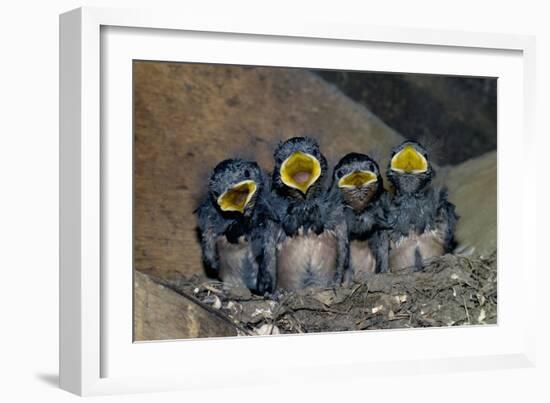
pixel 362 261
pixel 307 260
pixel 404 253
pixel 237 265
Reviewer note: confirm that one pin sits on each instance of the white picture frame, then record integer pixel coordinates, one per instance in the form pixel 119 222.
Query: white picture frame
pixel 96 354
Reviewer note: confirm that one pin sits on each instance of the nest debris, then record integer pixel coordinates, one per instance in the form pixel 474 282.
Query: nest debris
pixel 452 290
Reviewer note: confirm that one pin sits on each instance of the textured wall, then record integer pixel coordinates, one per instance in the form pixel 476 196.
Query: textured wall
pixel 473 188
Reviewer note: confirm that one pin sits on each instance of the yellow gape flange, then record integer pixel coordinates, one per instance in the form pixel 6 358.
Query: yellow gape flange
pixel 300 171
pixel 238 196
pixel 356 179
pixel 409 160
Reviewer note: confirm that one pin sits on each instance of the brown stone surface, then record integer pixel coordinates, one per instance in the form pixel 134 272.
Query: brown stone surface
pixel 188 117
pixel 473 189
pixel 162 314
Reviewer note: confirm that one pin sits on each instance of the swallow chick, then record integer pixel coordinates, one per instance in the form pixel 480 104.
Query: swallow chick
pixel 310 235
pixel 357 184
pixel 421 218
pixel 231 222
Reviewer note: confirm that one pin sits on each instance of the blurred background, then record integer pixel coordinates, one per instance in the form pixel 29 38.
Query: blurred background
pixel 189 117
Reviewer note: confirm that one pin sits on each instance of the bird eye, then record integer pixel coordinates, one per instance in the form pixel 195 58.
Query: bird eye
pixel 339 174
pixel 246 173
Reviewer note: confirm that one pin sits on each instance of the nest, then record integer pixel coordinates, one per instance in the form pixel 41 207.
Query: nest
pixel 452 290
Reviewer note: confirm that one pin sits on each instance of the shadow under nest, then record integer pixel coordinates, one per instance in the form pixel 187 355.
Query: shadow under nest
pixel 452 290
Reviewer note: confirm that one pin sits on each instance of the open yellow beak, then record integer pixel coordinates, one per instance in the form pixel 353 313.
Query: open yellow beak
pixel 357 179
pixel 408 160
pixel 238 196
pixel 300 171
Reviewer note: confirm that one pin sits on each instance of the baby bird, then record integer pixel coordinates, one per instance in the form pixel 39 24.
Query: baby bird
pixel 231 221
pixel 309 233
pixel 358 186
pixel 421 218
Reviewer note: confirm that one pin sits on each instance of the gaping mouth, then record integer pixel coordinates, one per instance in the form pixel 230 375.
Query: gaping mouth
pixel 300 171
pixel 410 161
pixel 357 179
pixel 238 196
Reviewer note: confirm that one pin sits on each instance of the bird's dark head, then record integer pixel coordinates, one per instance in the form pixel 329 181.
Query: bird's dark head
pixel 410 169
pixel 234 186
pixel 358 180
pixel 299 167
